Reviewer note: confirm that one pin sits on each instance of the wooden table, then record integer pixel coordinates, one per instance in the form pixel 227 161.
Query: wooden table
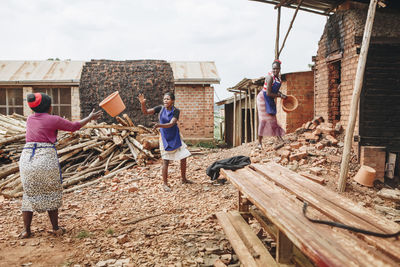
pixel 274 195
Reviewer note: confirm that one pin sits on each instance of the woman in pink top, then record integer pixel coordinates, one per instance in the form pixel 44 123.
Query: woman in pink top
pixel 39 167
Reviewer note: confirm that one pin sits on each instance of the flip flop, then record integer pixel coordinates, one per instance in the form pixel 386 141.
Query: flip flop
pixel 24 235
pixel 59 232
pixel 166 188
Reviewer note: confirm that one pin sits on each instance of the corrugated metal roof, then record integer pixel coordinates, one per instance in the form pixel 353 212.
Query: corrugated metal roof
pixel 195 72
pixel 30 72
pixel 69 72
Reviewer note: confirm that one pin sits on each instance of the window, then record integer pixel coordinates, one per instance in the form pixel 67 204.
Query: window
pixel 11 101
pixel 60 100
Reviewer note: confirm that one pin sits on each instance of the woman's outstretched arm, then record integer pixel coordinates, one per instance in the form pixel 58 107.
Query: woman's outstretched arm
pixel 142 101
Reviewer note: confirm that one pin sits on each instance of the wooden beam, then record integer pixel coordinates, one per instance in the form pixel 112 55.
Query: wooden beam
pixel 293 7
pixel 255 115
pixel 245 118
pixel 362 60
pixel 290 27
pixel 251 118
pixel 278 24
pixel 234 120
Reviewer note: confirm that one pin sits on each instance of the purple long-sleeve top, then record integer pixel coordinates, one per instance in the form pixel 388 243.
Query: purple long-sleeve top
pixel 43 127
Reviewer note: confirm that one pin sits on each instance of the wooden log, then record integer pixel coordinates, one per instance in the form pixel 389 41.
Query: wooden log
pixel 121 121
pixel 68 155
pixel 78 146
pixel 100 143
pixel 128 119
pixel 133 150
pixel 139 145
pixel 150 142
pixel 389 193
pixel 9 169
pixel 118 127
pixel 12 139
pixel 107 152
pixel 118 140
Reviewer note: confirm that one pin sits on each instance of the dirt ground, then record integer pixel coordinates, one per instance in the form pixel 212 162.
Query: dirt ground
pixel 130 221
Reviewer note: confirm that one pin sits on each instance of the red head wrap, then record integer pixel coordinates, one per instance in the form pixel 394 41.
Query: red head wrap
pixel 38 100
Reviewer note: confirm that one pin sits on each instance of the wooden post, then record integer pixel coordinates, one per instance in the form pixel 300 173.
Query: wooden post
pixel 240 118
pixel 255 115
pixel 245 117
pixel 278 22
pixel 251 117
pixel 290 27
pixel 344 167
pixel 234 120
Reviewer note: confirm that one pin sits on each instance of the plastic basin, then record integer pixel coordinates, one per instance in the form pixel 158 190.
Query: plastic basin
pixel 113 104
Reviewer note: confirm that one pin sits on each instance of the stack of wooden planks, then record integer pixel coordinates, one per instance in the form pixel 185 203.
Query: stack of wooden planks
pixel 274 196
pixel 95 150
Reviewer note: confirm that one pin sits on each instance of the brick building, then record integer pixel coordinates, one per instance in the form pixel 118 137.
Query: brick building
pixel 73 97
pixel 378 123
pixel 244 126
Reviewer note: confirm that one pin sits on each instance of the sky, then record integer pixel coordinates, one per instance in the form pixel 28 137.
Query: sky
pixel 238 35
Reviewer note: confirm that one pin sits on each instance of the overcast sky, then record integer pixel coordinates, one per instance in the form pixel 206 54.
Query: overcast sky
pixel 238 35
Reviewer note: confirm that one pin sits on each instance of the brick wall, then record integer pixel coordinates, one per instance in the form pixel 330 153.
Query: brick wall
pixel 300 85
pixel 100 78
pixel 338 46
pixel 196 103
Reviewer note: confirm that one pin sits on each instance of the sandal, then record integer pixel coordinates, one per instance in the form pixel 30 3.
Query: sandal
pixel 59 232
pixel 24 235
pixel 166 188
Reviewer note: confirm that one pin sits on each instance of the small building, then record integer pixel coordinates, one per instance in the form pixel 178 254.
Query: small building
pixel 241 117
pixel 78 86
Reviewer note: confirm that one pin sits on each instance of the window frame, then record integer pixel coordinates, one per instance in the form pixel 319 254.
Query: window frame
pixel 7 106
pixel 49 91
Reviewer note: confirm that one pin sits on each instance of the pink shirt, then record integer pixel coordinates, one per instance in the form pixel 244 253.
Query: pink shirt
pixel 42 127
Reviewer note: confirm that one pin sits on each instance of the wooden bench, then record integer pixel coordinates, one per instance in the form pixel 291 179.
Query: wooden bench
pixel 274 196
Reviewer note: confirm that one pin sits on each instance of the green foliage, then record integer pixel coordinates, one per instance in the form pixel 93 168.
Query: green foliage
pixel 110 231
pixel 83 234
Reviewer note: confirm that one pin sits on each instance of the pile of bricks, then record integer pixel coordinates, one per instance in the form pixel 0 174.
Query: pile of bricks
pixel 100 78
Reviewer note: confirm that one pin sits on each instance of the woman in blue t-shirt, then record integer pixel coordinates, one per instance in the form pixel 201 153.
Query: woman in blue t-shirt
pixel 172 146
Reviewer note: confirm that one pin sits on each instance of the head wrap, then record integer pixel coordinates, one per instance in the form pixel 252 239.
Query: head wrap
pixel 39 102
pixel 277 61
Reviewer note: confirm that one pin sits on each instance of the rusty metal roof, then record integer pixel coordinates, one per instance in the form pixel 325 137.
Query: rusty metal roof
pixel 69 72
pixel 195 72
pixel 324 7
pixel 46 71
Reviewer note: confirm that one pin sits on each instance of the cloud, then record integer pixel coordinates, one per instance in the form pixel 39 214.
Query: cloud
pixel 238 35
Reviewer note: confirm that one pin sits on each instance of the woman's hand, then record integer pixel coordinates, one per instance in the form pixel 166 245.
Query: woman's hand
pixel 95 115
pixel 156 125
pixel 141 98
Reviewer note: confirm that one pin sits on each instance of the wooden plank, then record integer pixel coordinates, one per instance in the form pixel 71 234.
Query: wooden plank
pixel 313 177
pixel 284 249
pixel 235 240
pixel 319 243
pixel 253 243
pixel 269 200
pixel 334 206
pixel 264 222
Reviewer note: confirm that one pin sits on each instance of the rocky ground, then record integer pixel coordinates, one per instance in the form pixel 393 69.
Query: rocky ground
pixel 130 220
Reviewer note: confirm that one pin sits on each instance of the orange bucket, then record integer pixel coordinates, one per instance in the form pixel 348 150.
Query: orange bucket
pixel 113 104
pixel 290 103
pixel 365 176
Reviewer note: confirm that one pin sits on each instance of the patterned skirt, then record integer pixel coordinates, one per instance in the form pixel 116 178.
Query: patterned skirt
pixel 268 125
pixel 177 154
pixel 40 177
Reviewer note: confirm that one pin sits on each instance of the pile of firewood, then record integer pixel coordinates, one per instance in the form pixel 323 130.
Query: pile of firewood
pixel 95 150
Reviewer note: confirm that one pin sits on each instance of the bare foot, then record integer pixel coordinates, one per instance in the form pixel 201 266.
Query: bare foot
pixel 166 188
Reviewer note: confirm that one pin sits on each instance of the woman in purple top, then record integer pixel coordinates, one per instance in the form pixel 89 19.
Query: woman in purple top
pixel 266 105
pixel 172 146
pixel 39 167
